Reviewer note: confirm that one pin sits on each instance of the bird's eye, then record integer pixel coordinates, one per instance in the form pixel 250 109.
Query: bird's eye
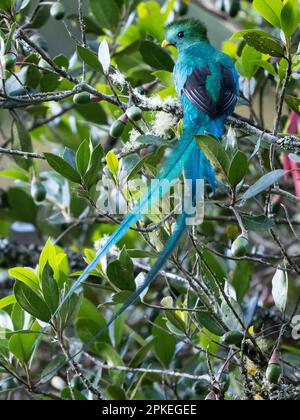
pixel 180 34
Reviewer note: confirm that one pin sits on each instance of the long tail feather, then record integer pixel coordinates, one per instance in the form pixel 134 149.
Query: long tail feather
pixel 169 248
pixel 163 256
pixel 172 171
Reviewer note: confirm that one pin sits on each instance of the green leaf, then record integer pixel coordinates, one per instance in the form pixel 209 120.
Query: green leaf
pixel 134 172
pixel 94 173
pixel 63 168
pixel 238 168
pixel 141 355
pixel 249 59
pixel 52 368
pixel 164 343
pixel 266 65
pixel 70 157
pixel 89 57
pixel 89 322
pixel 208 321
pixel 175 321
pixel 15 174
pixel 27 211
pixel 293 102
pixel 270 10
pixel 18 317
pixel 261 41
pixel 209 341
pixel 258 223
pixel 50 288
pixel 97 155
pixel 112 163
pixel 112 357
pixel 229 312
pixel 241 279
pixel 92 112
pixel 107 13
pixel 48 254
pixel 31 302
pixel 215 153
pixel 41 17
pixel 116 393
pixel 49 82
pixel 156 57
pixel 21 345
pixel 290 17
pixel 25 275
pixel 6 5
pixel 7 301
pixel 121 272
pixel 83 156
pixel 219 270
pixel 280 290
pixel 151 19
pixel 263 184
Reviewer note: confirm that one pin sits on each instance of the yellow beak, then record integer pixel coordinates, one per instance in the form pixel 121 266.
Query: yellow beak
pixel 165 44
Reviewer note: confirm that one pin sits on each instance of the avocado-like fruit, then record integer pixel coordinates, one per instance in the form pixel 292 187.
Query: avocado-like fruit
pixel 117 129
pixel 240 247
pixel 274 373
pixel 82 98
pixel 9 61
pixel 225 381
pixel 233 338
pixel 181 7
pixel 58 11
pixel 39 42
pixel 38 192
pixel 134 113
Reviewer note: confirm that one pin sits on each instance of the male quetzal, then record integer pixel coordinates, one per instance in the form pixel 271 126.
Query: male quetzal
pixel 207 84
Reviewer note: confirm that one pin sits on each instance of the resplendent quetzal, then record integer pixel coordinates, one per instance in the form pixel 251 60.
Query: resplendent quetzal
pixel 207 84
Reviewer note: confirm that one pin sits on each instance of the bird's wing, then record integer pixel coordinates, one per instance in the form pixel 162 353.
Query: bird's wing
pixel 195 89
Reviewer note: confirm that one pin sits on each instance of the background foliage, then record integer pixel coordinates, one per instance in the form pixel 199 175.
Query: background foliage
pixel 75 77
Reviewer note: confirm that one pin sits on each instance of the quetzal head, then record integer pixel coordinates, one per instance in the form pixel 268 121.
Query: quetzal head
pixel 183 33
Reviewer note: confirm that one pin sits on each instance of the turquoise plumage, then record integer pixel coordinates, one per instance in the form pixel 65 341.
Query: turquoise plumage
pixel 207 84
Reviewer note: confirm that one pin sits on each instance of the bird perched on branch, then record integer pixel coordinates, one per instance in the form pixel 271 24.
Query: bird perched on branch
pixel 207 83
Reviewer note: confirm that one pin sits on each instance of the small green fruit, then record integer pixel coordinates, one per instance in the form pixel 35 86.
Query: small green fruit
pixel 134 113
pixel 117 129
pixel 58 11
pixel 9 61
pixel 240 247
pixel 38 192
pixel 274 373
pixel 233 338
pixel 181 8
pixel 225 381
pixel 82 98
